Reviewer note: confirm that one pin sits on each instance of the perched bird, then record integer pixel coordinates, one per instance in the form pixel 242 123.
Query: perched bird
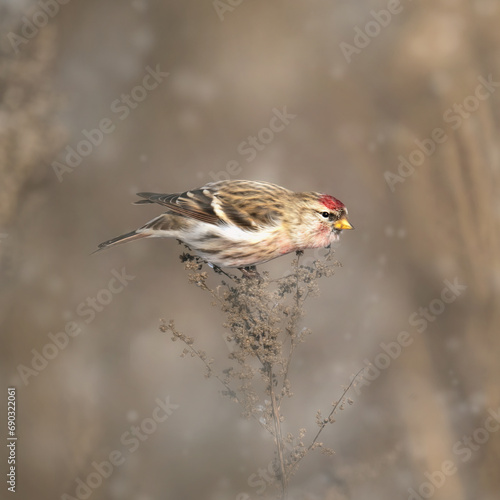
pixel 238 223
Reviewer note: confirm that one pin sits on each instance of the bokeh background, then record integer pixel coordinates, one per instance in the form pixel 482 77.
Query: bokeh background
pixel 359 108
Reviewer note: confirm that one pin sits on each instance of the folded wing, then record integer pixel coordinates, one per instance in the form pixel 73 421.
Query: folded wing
pixel 246 204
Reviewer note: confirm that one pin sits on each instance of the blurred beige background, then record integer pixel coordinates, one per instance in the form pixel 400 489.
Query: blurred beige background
pixel 366 80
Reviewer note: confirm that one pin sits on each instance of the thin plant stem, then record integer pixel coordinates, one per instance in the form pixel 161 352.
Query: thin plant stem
pixel 277 432
pixel 325 422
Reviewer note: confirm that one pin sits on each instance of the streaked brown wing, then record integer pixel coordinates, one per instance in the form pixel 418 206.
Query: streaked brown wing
pixel 247 204
pixel 250 204
pixel 196 204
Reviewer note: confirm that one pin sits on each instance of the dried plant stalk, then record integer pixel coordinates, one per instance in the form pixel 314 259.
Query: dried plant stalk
pixel 262 330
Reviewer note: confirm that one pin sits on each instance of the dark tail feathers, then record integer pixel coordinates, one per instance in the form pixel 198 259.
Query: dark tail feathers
pixel 147 200
pixel 133 235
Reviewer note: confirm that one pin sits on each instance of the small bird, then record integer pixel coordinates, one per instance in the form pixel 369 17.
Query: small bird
pixel 239 223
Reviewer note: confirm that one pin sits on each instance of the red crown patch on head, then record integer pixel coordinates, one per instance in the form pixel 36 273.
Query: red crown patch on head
pixel 330 202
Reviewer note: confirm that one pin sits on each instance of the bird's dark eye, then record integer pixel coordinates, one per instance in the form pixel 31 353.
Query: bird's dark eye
pixel 326 215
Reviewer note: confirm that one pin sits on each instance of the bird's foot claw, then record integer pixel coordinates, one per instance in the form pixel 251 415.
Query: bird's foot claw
pixel 250 272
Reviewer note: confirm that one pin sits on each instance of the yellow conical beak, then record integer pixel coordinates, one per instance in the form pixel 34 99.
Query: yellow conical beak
pixel 343 224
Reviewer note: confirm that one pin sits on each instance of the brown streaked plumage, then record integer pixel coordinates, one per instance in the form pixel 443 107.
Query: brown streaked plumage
pixel 243 223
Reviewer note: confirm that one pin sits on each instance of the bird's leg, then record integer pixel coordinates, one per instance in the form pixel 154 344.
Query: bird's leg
pixel 250 272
